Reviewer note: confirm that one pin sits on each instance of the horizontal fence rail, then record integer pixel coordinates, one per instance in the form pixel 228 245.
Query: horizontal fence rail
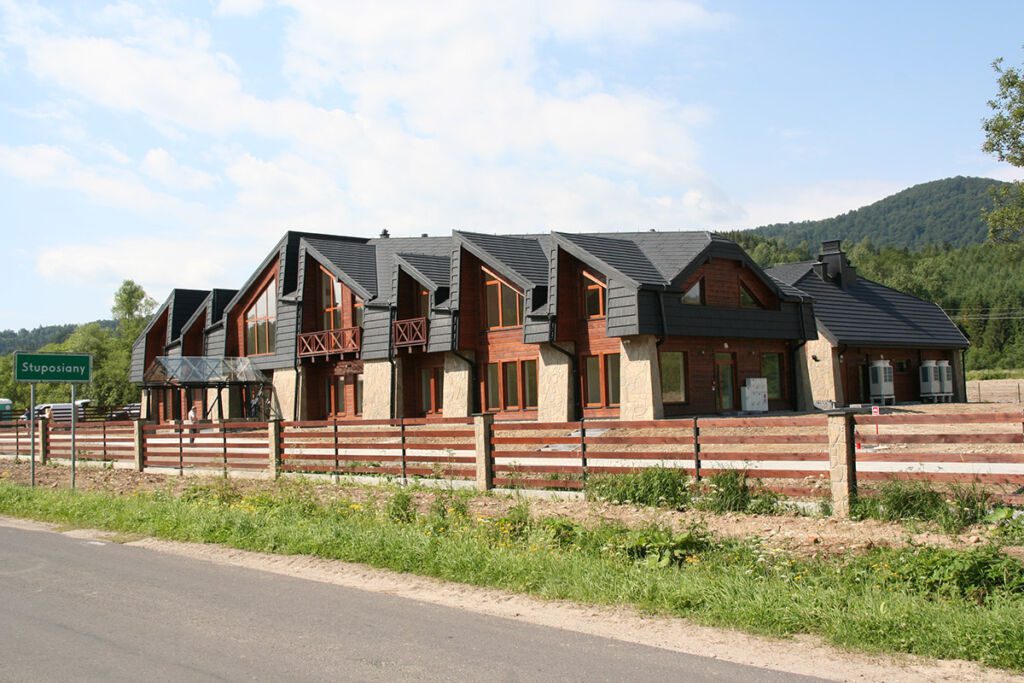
pixel 102 441
pixel 979 448
pixel 429 448
pixel 226 446
pixel 15 438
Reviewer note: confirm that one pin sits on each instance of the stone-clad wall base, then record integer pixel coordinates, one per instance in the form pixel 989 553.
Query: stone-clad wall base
pixel 640 388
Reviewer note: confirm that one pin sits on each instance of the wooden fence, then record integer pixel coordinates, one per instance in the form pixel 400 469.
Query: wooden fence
pixel 562 455
pixel 438 448
pixel 15 438
pixel 225 446
pixel 104 441
pixel 983 448
pixel 789 454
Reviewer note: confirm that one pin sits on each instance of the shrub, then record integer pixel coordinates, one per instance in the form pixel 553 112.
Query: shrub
pixel 966 505
pixel 900 500
pixel 652 486
pixel 726 491
pixel 400 507
pixel 659 546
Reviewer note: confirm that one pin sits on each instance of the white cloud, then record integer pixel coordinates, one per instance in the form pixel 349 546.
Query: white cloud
pixel 164 168
pixel 240 7
pixel 50 166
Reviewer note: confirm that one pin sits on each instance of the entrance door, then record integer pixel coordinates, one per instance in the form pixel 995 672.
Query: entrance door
pixel 725 376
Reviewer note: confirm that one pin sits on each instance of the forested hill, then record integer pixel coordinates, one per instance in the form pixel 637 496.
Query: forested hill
pixel 37 338
pixel 945 211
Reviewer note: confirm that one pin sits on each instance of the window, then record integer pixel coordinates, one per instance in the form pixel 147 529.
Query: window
pixel 261 322
pixel 601 380
pixel 771 369
pixel 747 298
pixel 357 312
pixel 422 303
pixel 503 303
pixel 673 376
pixel 511 385
pixel 330 301
pixel 336 390
pixel 432 390
pixel 694 296
pixel 593 295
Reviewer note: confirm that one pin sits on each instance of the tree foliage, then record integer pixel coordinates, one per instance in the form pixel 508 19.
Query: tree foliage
pixel 1004 139
pixel 111 349
pixel 948 211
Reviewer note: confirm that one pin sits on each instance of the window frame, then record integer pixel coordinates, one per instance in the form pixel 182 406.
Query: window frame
pixel 267 297
pixel 329 308
pixel 701 293
pixel 782 374
pixel 433 389
pixel 590 283
pixel 604 391
pixel 331 383
pixel 684 378
pixel 755 303
pixel 490 278
pixel 502 386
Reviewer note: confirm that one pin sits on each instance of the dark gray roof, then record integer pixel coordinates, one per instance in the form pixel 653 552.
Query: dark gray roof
pixel 185 302
pixel 432 271
pixel 671 252
pixel 522 257
pixel 219 299
pixel 621 255
pixel 870 314
pixel 387 248
pixel 355 258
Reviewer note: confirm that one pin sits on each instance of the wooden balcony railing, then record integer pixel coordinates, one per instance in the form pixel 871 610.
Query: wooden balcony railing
pixel 411 332
pixel 327 342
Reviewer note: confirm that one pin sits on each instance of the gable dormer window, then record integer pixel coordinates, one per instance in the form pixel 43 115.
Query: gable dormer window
pixel 261 322
pixel 503 304
pixel 747 298
pixel 594 295
pixel 694 296
pixel 330 301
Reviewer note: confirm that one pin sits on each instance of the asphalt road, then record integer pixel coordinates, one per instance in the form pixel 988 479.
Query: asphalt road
pixel 73 609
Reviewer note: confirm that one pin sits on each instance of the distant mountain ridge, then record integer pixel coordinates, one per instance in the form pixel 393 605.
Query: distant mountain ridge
pixel 947 211
pixel 37 338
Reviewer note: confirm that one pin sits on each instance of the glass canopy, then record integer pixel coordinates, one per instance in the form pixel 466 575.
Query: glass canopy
pixel 200 371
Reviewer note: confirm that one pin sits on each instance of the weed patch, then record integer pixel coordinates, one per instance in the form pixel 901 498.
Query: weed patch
pixel 652 486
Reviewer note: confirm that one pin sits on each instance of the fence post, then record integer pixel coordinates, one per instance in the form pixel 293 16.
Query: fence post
pixel 140 445
pixel 842 469
pixel 482 429
pixel 274 440
pixel 44 439
pixel 696 450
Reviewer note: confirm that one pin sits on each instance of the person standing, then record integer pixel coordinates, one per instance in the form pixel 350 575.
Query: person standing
pixel 191 422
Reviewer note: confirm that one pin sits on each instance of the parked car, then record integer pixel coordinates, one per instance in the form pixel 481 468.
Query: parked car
pixel 6 409
pixel 131 411
pixel 60 412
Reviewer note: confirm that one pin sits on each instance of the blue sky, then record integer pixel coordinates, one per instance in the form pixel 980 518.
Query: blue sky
pixel 174 143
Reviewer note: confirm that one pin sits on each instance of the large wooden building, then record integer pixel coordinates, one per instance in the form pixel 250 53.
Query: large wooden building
pixel 538 327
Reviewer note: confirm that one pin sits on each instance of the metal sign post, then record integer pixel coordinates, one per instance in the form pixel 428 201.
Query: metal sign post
pixel 32 429
pixel 53 368
pixel 74 420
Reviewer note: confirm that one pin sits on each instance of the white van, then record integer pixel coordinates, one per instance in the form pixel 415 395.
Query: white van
pixel 61 412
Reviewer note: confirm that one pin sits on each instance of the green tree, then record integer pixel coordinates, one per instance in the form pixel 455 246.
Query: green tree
pixel 1004 138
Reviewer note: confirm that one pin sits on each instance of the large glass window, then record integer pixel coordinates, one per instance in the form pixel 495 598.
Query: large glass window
pixel 529 383
pixel 261 322
pixel 601 380
pixel 493 387
pixel 673 376
pixel 338 390
pixel 771 369
pixel 694 296
pixel 593 296
pixel 747 298
pixel 359 394
pixel 503 303
pixel 432 389
pixel 511 385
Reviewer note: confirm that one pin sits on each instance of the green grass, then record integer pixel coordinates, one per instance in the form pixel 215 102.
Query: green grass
pixel 938 603
pixel 652 486
pixel 953 510
pixel 995 374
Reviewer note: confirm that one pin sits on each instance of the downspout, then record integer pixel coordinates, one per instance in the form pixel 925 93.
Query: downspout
pixel 392 313
pixel 295 359
pixel 793 361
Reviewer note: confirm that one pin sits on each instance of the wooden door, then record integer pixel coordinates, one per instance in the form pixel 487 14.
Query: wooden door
pixel 725 381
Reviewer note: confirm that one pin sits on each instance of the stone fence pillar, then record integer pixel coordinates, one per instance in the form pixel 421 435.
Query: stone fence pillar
pixel 842 462
pixel 483 428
